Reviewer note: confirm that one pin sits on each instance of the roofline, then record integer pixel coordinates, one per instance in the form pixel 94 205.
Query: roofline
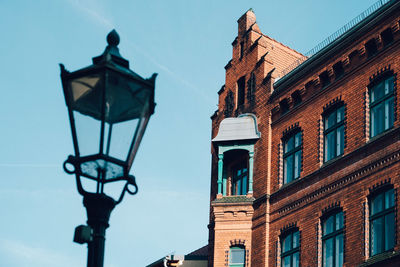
pixel 331 49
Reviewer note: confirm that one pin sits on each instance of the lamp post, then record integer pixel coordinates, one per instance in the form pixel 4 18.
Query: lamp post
pixel 109 107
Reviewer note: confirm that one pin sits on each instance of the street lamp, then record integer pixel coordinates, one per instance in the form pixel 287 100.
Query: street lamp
pixel 109 107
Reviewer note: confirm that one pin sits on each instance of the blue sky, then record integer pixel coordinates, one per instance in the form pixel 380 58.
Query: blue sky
pixel 188 43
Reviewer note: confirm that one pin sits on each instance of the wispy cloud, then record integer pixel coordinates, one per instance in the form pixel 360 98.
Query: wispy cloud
pixel 174 75
pixel 92 10
pixel 29 165
pixel 22 254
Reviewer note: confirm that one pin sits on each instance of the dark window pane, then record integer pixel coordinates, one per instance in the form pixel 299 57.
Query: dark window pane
pixel 339 141
pixel 289 144
pixel 296 239
pixel 339 221
pixel 328 225
pixel 328 252
pixel 297 142
pixel 244 186
pixel 389 198
pixel 237 255
pixel 389 231
pixel 389 85
pixel 286 261
pixel 377 236
pixel 340 114
pixel 288 167
pixel 287 243
pixel 377 119
pixel 377 92
pixel 339 251
pixel 330 146
pixel 297 164
pixel 330 120
pixel 296 260
pixel 389 113
pixel 377 204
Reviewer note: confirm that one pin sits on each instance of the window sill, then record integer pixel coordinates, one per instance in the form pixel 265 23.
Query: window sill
pixel 235 199
pixel 380 135
pixel 329 162
pixel 382 259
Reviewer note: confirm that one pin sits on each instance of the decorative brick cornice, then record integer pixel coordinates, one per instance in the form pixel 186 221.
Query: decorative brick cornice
pixel 380 73
pixel 237 242
pixel 291 129
pixel 331 207
pixel 332 103
pixel 379 185
pixel 288 227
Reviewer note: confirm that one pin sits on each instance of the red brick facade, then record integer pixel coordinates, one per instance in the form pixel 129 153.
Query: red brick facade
pixel 340 75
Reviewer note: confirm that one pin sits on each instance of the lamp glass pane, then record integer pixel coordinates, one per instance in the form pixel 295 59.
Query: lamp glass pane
pixel 86 95
pixel 118 138
pixel 88 134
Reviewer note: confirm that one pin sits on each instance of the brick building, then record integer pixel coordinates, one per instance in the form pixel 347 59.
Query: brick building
pixel 306 149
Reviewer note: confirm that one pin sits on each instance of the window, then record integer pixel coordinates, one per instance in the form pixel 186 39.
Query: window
pixel 333 133
pixel 240 90
pixel 381 106
pixel 237 256
pixel 290 255
pixel 292 157
pixel 371 48
pixel 332 241
pixel 382 222
pixel 239 179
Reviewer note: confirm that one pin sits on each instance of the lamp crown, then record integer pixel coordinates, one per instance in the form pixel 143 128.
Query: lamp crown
pixel 113 38
pixel 111 53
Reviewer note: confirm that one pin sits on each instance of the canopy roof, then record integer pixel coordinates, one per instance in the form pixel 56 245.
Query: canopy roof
pixel 244 127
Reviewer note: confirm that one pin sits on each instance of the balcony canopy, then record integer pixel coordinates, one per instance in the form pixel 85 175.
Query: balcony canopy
pixel 243 127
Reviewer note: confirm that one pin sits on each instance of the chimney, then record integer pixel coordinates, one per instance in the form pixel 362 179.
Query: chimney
pixel 245 21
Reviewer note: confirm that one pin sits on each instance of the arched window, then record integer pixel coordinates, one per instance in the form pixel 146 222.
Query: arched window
pixel 332 240
pixel 381 99
pixel 333 133
pixel 382 221
pixel 292 150
pixel 237 256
